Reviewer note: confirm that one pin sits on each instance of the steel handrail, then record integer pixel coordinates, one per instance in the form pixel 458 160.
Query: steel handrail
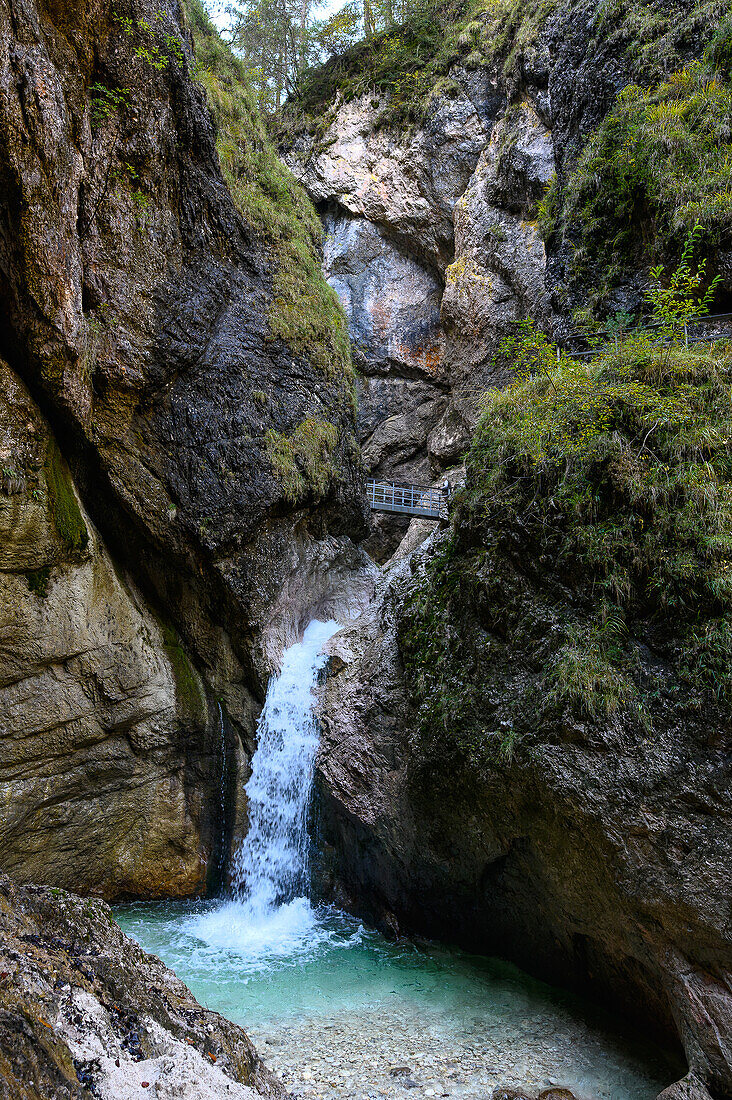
pixel 407 499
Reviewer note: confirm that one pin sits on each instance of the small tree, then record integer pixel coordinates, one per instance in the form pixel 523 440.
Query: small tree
pixel 681 298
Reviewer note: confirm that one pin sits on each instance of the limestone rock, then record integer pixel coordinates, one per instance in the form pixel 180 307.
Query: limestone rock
pixel 391 299
pixel 454 196
pixel 137 308
pixel 387 206
pixel 592 856
pixel 84 1011
pixel 431 246
pixel 409 188
pixel 100 785
pixel 499 268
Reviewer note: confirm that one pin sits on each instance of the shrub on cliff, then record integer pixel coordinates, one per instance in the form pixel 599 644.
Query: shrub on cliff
pixel 658 164
pixel 589 564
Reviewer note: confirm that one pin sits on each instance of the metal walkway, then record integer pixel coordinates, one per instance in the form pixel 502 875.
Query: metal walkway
pixel 406 500
pixel 693 333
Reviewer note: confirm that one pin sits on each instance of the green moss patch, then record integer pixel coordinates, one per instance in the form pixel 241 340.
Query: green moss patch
pixel 304 311
pixel 658 164
pixel 304 463
pixel 62 501
pixel 621 471
pixel 38 581
pixel 189 693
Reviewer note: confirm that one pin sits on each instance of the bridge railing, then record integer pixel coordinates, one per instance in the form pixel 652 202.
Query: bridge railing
pixel 409 500
pixel 720 324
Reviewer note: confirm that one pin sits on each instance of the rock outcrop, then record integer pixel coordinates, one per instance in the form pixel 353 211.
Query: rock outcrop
pixel 110 772
pixel 387 202
pixel 592 854
pixel 187 460
pixel 85 1012
pixel 434 244
pixel 431 246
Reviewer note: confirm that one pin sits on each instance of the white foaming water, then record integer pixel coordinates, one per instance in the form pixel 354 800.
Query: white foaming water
pixel 270 914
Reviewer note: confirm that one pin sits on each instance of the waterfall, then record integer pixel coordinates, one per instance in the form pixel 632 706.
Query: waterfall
pixel 270 908
pixel 271 866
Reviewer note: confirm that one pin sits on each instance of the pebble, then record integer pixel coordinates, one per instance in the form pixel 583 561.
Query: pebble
pixel 380 1053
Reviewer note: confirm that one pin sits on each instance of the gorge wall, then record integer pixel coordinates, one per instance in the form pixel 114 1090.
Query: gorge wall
pixel 443 184
pixel 461 794
pixel 432 245
pixel 593 853
pixel 179 462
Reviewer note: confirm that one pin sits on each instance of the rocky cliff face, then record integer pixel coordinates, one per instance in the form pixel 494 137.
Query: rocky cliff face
pixel 110 753
pixel 432 248
pixel 387 204
pixel 182 438
pixel 592 856
pixel 85 1012
pixel 527 739
pixel 433 242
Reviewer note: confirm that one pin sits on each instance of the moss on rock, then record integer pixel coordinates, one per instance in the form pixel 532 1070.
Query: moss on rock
pixel 38 581
pixel 591 550
pixel 303 462
pixel 304 311
pixel 62 501
pixel 658 164
pixel 188 687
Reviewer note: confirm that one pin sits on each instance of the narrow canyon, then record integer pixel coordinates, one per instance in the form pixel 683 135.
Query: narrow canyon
pixel 343 770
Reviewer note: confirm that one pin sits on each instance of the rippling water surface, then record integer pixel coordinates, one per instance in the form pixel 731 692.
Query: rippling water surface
pixel 335 1009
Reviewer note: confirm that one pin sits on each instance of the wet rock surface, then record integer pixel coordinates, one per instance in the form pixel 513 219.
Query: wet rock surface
pixel 100 706
pixel 136 306
pixel 85 1012
pixel 148 341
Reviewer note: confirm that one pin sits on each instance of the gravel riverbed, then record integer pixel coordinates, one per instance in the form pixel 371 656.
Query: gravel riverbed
pixel 411 1052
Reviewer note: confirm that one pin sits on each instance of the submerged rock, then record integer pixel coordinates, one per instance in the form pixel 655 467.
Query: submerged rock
pixel 85 1012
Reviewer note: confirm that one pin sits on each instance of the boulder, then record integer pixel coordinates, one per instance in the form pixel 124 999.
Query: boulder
pixel 85 1011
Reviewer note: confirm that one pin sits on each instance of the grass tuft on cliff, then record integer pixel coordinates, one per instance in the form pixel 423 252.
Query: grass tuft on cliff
pixel 304 462
pixel 622 469
pixel 305 311
pixel 592 547
pixel 659 163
